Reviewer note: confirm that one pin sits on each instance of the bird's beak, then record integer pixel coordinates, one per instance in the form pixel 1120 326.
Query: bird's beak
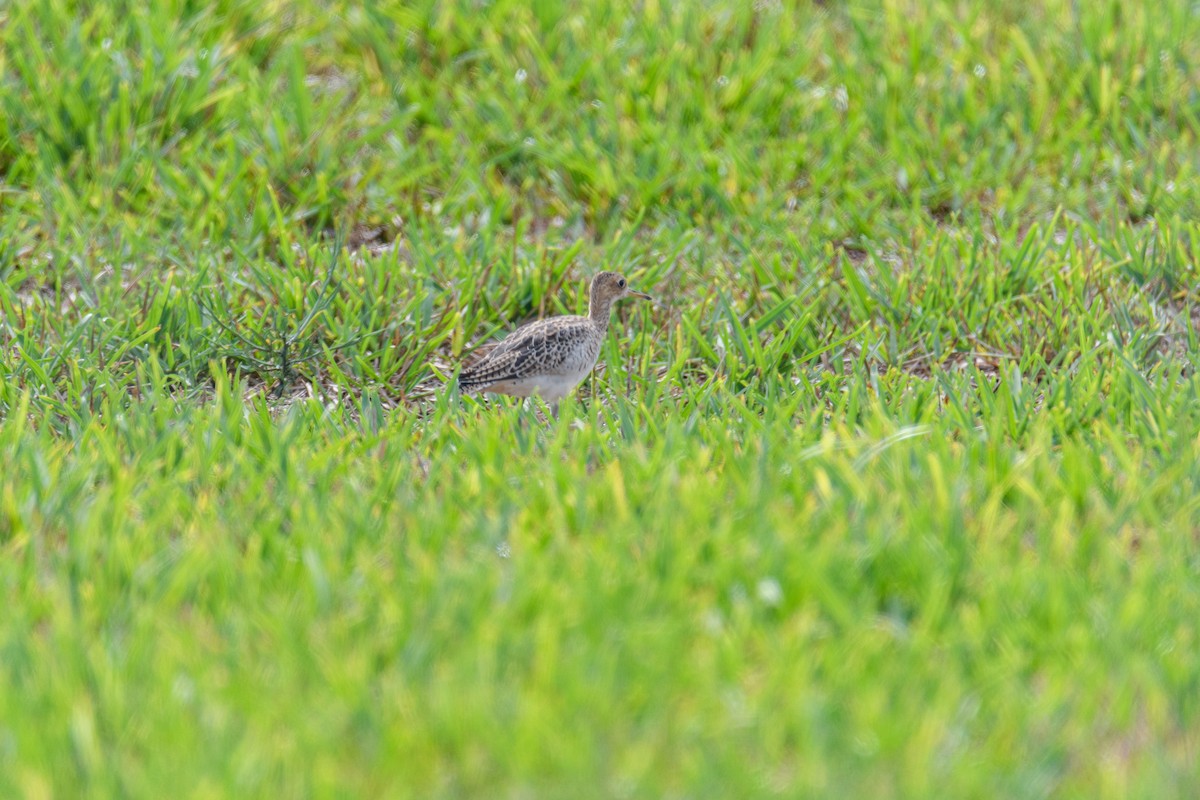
pixel 642 295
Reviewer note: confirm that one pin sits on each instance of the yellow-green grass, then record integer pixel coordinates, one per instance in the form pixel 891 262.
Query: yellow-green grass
pixel 893 492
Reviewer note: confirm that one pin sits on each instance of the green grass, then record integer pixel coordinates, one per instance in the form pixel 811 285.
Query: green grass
pixel 895 491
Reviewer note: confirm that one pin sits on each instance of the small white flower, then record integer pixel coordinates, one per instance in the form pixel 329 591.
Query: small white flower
pixel 770 592
pixel 980 70
pixel 521 75
pixel 723 80
pixel 841 98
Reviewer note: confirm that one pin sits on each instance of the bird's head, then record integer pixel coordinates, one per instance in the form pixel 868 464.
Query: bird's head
pixel 608 287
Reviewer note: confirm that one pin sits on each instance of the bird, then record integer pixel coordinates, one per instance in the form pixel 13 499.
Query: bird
pixel 550 357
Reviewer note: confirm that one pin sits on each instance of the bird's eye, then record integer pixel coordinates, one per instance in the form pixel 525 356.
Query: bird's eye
pixel 621 283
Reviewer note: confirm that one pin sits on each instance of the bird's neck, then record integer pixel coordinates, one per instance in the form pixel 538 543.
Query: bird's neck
pixel 599 310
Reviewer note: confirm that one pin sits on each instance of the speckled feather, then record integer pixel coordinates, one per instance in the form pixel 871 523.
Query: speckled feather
pixel 547 346
pixel 551 356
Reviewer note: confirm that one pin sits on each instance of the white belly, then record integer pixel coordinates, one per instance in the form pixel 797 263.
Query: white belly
pixel 550 388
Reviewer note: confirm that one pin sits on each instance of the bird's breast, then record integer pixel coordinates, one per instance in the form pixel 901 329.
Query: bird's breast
pixel 583 357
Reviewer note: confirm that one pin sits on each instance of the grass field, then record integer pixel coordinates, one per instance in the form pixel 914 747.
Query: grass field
pixel 894 492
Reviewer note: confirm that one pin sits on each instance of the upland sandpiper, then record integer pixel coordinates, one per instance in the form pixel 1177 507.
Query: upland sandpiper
pixel 549 358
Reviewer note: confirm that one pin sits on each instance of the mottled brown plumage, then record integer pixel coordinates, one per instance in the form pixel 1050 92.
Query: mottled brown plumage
pixel 549 357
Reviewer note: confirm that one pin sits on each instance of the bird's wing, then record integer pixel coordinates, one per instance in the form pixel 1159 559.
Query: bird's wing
pixel 538 348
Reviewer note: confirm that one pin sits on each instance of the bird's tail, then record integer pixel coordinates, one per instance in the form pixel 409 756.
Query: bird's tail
pixel 469 383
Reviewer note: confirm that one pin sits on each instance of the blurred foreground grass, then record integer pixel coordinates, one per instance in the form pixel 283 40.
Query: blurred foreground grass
pixel 892 494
